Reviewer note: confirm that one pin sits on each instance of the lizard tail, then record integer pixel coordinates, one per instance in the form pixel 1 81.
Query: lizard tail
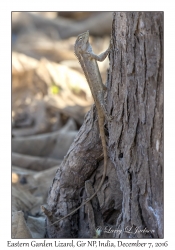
pixel 103 141
pixel 102 135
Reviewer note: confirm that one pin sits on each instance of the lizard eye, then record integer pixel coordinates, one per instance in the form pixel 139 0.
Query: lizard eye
pixel 80 38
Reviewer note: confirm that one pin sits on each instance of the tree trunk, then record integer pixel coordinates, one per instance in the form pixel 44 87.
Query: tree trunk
pixel 131 198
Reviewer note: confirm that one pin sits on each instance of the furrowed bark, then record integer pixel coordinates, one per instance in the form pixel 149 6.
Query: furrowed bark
pixel 135 140
pixel 136 83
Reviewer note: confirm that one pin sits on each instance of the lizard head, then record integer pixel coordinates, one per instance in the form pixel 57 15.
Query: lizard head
pixel 82 42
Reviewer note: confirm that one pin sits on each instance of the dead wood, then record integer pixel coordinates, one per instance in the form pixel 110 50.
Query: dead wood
pixel 23 22
pixel 36 226
pixel 36 109
pixel 53 145
pixel 78 165
pixel 32 162
pixel 98 24
pixel 19 227
pixel 25 201
pixel 35 118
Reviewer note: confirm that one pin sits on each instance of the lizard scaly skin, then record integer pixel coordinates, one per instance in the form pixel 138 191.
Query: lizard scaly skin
pixel 87 59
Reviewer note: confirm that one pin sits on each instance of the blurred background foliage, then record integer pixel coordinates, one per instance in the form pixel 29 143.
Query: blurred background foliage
pixel 50 97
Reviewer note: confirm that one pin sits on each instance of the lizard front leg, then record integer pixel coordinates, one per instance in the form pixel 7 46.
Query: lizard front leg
pixel 100 57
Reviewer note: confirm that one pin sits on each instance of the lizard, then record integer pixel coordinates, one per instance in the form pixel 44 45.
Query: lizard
pixel 88 61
